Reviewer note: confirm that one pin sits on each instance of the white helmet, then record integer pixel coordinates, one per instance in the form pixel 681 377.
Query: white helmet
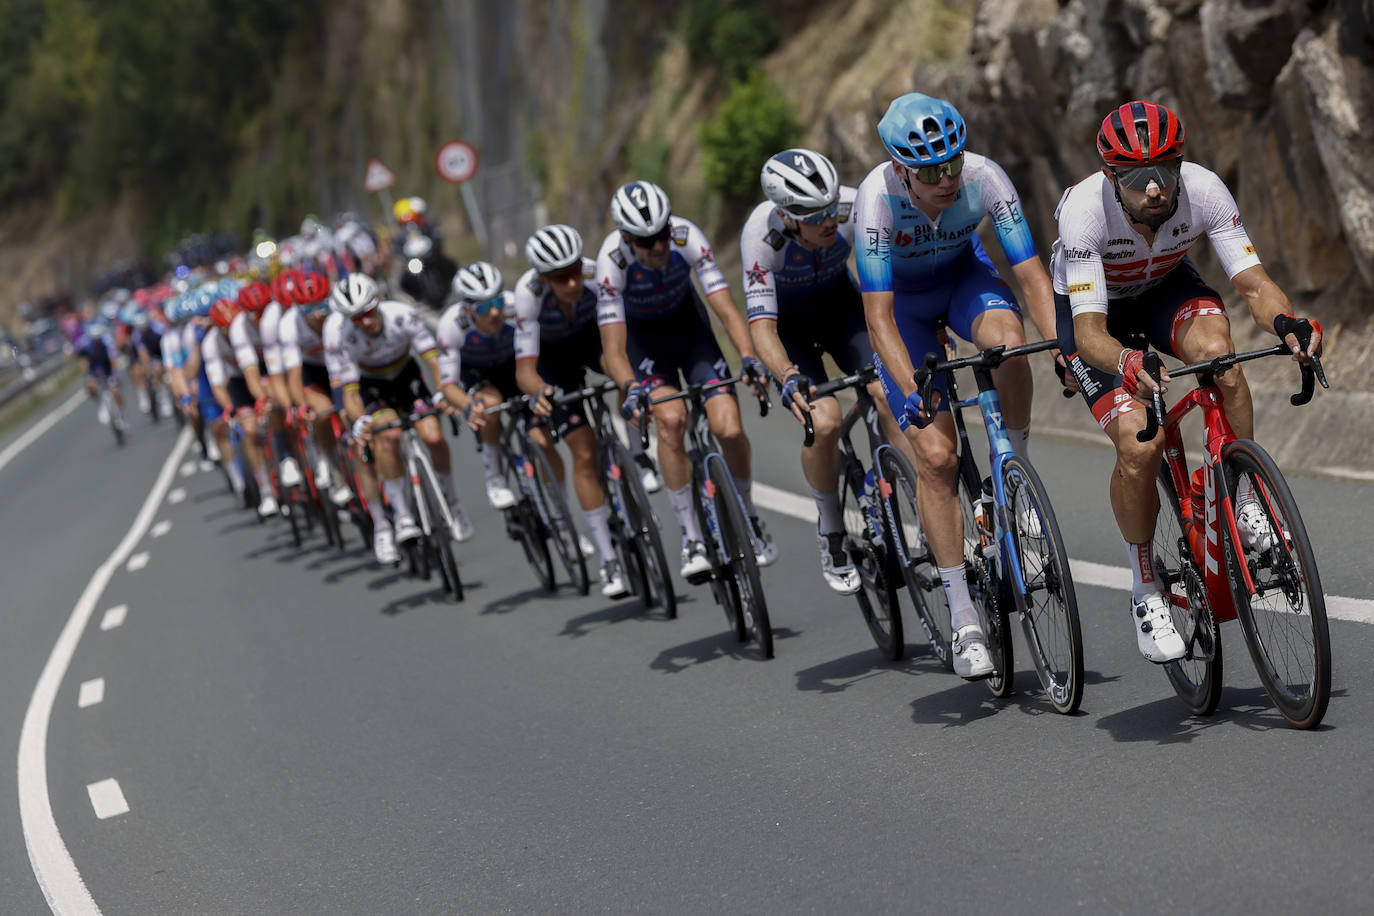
pixel 357 294
pixel 800 179
pixel 477 282
pixel 640 208
pixel 553 248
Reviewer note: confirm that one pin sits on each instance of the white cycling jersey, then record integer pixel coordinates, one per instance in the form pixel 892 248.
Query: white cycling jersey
pixel 779 270
pixel 246 340
pixel 626 288
pixel 219 358
pixel 538 315
pixel 1099 256
pixel 173 354
pixel 269 324
pixel 298 342
pixel 350 352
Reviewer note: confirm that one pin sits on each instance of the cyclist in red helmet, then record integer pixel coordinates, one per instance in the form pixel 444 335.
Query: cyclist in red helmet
pixel 1123 282
pixel 231 391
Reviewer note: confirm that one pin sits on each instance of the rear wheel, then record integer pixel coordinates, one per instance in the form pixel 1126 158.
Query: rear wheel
pixel 984 587
pixel 1197 676
pixel 291 509
pixel 523 526
pixel 877 596
pixel 1049 606
pixel 897 490
pixel 562 532
pixel 738 544
pixel 440 545
pixel 1284 619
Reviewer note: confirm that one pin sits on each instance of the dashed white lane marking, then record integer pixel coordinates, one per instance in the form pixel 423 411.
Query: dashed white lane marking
pixel 161 528
pixel 107 799
pixel 1085 572
pixel 30 435
pixel 176 495
pixel 52 863
pixel 114 617
pixel 138 561
pixel 188 468
pixel 92 692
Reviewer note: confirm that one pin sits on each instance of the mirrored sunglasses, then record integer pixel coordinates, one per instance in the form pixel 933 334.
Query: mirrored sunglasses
pixel 816 217
pixel 931 174
pixel 486 307
pixel 1164 174
pixel 650 241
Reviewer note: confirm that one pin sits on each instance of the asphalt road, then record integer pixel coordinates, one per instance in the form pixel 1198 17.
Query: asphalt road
pixel 297 731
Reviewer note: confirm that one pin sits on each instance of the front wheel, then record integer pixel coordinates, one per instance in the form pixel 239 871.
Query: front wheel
pixel 560 523
pixel 1196 677
pixel 877 596
pixel 652 571
pixel 989 594
pixel 738 544
pixel 1048 606
pixel 897 490
pixel 1284 617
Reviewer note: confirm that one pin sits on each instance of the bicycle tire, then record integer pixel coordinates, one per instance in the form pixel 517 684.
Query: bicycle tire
pixel 562 531
pixel 902 521
pixel 522 524
pixel 877 596
pixel 742 566
pixel 645 539
pixel 1291 649
pixel 439 542
pixel 288 509
pixel 1053 632
pixel 985 587
pixel 1197 677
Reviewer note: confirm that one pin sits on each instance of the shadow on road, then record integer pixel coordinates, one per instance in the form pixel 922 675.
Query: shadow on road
pixel 838 675
pixel 437 596
pixel 710 648
pixel 507 603
pixel 1166 721
pixel 622 610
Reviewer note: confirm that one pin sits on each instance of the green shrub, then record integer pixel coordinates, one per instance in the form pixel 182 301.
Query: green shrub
pixel 754 122
pixel 741 36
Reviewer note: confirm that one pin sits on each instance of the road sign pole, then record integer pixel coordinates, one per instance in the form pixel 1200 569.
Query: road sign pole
pixel 385 197
pixel 479 228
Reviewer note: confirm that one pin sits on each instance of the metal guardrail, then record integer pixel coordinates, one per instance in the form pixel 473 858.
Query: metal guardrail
pixel 31 376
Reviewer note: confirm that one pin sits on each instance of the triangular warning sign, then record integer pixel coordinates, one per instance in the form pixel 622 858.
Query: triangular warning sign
pixel 378 176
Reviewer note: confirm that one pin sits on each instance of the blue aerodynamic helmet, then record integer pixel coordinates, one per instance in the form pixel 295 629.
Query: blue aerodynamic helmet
pixel 919 130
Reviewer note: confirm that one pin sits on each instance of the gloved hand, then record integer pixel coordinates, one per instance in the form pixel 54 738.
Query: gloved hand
pixel 795 385
pixel 914 410
pixel 1308 333
pixel 636 400
pixel 753 370
pixel 362 426
pixel 1131 367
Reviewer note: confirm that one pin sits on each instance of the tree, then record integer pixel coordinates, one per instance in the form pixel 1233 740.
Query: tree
pixel 754 122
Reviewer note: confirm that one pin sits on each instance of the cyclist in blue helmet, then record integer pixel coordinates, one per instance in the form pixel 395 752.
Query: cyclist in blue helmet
pixel 916 217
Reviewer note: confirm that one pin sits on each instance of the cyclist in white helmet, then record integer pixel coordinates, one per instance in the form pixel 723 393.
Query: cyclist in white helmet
pixel 556 341
pixel 368 346
pixel 803 303
pixel 654 330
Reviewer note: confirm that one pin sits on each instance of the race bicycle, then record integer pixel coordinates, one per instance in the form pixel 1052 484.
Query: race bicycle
pixel 1213 575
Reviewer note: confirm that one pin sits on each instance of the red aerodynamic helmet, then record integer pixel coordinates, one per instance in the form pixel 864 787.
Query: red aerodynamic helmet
pixel 284 287
pixel 1140 132
pixel 255 296
pixel 314 287
pixel 222 313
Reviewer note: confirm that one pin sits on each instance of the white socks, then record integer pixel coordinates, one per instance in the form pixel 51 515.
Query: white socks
pixel 1140 558
pixel 745 486
pixel 961 612
pixel 395 491
pixel 598 522
pixel 1020 440
pixel 831 521
pixel 681 501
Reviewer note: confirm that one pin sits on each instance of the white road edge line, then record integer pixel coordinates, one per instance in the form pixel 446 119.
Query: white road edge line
pixel 30 435
pixel 1085 572
pixel 107 798
pixel 52 863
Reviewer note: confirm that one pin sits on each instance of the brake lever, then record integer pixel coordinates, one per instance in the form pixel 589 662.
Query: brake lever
pixel 1154 367
pixel 809 438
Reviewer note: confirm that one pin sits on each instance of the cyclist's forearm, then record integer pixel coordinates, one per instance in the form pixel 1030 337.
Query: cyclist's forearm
pixel 723 304
pixel 613 355
pixel 769 348
pixel 527 377
pixel 295 385
pixel 887 340
pixel 455 395
pixel 1039 292
pixel 1095 346
pixel 254 382
pixel 353 402
pixel 222 398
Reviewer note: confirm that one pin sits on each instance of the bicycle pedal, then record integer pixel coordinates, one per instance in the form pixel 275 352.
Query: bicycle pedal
pixel 700 578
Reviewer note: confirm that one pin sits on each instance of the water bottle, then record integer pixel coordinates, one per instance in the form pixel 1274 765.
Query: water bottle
pixel 868 505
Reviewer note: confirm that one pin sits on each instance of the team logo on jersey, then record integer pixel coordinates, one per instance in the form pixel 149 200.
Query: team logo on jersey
pixel 844 211
pixel 1007 211
pixel 1235 220
pixel 1111 242
pixel 607 290
pixel 1181 228
pixel 775 240
pixel 707 257
pixel 757 275
pixel 679 235
pixel 618 258
pixel 901 239
pixel 1080 287
pixel 1078 254
pixel 876 243
pixel 798 257
pixel 1249 249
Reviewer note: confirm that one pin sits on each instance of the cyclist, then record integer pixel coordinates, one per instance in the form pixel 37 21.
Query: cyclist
pixel 556 340
pixel 915 220
pixel 96 347
pixel 368 344
pixel 199 399
pixel 260 364
pixel 654 331
pixel 227 380
pixel 802 303
pixel 1123 281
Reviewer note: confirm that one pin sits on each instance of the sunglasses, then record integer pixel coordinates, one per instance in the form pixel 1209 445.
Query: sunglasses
pixel 816 217
pixel 360 319
pixel 564 274
pixel 931 174
pixel 488 306
pixel 1164 174
pixel 650 241
pixel 315 308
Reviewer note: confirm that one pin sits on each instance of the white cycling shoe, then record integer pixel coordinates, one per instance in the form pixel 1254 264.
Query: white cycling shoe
pixel 268 507
pixel 836 567
pixel 1155 635
pixel 585 545
pixel 765 548
pixel 694 560
pixel 384 547
pixel 648 474
pixel 406 529
pixel 613 580
pixel 289 472
pixel 498 494
pixel 462 530
pixel 971 658
pixel 1255 531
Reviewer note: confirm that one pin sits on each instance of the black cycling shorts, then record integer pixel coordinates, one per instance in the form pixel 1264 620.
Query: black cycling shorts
pixel 664 351
pixel 831 321
pixel 564 365
pixel 402 393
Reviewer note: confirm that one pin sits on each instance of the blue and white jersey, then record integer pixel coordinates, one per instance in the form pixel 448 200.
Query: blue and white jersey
pixel 539 317
pixel 779 271
pixel 466 347
pixel 627 289
pixel 901 250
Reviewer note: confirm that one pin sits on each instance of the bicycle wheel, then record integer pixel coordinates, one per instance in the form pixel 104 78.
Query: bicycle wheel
pixel 984 586
pixel 440 542
pixel 897 489
pixel 654 573
pixel 1197 676
pixel 1284 621
pixel 290 509
pixel 561 529
pixel 877 596
pixel 738 544
pixel 1049 607
pixel 523 526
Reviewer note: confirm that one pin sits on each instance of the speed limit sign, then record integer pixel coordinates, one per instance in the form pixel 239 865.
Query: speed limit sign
pixel 456 161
